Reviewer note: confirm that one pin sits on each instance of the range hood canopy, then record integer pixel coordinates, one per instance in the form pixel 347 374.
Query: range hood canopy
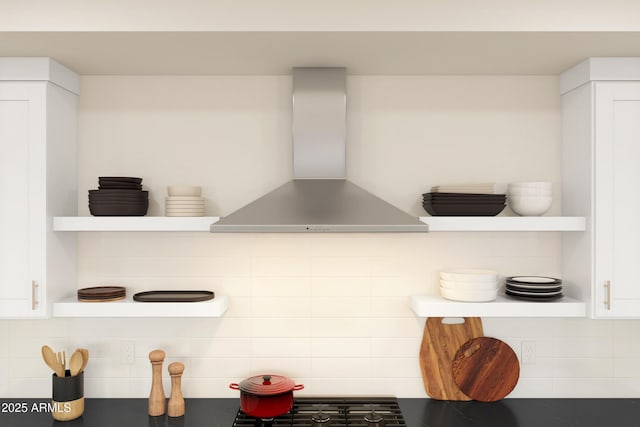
pixel 319 198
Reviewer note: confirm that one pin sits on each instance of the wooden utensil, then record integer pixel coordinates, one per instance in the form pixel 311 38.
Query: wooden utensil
pixel 85 358
pixel 485 369
pixel 50 359
pixel 156 397
pixel 62 361
pixel 440 342
pixel 75 363
pixel 175 408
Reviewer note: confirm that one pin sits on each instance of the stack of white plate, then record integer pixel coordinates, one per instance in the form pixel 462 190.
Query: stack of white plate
pixel 184 200
pixel 469 285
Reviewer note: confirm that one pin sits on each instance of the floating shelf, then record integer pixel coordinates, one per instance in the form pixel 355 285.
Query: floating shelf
pixel 133 223
pixel 504 223
pixel 436 223
pixel 436 306
pixel 130 308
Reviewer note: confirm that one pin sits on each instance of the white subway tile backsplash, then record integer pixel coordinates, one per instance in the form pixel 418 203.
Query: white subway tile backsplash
pixel 29 387
pixel 337 266
pixel 285 327
pixel 341 347
pixel 281 307
pixel 333 307
pixel 221 347
pixel 281 266
pixel 345 367
pixel 280 347
pixel 340 327
pixel 395 367
pixel 108 387
pixel 583 387
pixel 221 367
pixel 395 347
pixel 281 286
pixel 584 347
pixel 582 368
pixel 293 367
pixel 339 287
pixel 397 327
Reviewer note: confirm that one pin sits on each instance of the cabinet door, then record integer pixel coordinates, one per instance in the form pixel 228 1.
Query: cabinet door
pixel 617 199
pixel 21 239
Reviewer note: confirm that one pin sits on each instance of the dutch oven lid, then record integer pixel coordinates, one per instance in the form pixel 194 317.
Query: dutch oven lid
pixel 267 385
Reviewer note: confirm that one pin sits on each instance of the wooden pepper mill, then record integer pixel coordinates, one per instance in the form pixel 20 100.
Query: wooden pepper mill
pixel 156 397
pixel 176 401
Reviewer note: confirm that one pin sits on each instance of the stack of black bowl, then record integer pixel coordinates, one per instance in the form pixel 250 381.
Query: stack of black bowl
pixel 118 196
pixel 463 204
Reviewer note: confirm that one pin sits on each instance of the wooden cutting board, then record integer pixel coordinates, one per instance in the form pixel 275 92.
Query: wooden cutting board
pixel 485 369
pixel 440 342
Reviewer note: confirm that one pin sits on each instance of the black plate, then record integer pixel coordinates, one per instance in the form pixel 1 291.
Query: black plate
pixel 133 179
pixel 468 196
pixel 119 187
pixel 173 296
pixel 534 299
pixel 116 211
pixel 517 288
pixel 520 280
pixel 461 209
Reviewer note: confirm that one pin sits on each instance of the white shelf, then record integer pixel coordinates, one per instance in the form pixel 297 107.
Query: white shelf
pixel 436 306
pixel 129 308
pixel 504 223
pixel 133 223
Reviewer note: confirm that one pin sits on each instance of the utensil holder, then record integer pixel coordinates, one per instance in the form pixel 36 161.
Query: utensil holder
pixel 67 396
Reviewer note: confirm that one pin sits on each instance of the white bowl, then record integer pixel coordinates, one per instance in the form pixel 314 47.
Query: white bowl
pixel 529 205
pixel 469 275
pixel 529 192
pixel 469 296
pixel 541 185
pixel 184 190
pixel 469 286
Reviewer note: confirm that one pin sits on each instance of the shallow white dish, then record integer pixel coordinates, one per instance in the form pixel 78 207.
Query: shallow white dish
pixel 184 190
pixel 469 296
pixel 469 275
pixel 184 198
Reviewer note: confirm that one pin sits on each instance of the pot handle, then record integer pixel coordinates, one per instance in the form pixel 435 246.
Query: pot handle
pixel 298 387
pixel 234 386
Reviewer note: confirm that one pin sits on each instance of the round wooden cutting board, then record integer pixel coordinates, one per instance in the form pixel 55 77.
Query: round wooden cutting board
pixel 485 369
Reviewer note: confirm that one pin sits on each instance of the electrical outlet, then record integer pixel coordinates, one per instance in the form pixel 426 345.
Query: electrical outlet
pixel 127 352
pixel 528 352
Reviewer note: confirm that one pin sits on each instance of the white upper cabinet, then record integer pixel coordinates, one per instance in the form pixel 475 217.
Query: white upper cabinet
pixel 601 174
pixel 37 182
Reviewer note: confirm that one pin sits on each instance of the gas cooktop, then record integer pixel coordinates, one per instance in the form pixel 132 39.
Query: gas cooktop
pixel 333 412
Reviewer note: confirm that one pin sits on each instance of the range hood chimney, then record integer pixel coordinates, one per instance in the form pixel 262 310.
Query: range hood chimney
pixel 319 198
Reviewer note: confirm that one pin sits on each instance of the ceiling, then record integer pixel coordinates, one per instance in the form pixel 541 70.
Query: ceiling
pixel 363 53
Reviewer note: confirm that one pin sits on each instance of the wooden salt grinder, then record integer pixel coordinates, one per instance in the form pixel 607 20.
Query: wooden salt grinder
pixel 156 397
pixel 176 401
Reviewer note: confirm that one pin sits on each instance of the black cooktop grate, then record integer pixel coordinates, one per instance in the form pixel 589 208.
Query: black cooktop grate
pixel 344 412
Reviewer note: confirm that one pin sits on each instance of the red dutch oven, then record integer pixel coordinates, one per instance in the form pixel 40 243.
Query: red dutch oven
pixel 266 396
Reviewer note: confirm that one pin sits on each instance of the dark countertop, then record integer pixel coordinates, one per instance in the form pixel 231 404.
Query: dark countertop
pixel 417 412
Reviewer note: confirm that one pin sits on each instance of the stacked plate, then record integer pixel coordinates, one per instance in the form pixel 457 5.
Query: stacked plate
pixel 101 294
pixel 184 200
pixel 533 288
pixel 118 196
pixel 481 188
pixel 469 285
pixel 463 204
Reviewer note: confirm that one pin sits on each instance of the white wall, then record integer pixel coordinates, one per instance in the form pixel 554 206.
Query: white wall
pixel 331 311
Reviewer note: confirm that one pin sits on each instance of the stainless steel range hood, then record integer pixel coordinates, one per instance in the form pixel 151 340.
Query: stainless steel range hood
pixel 319 198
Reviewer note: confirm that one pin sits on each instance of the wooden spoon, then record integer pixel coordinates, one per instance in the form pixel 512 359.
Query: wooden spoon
pixel 50 359
pixel 85 358
pixel 75 363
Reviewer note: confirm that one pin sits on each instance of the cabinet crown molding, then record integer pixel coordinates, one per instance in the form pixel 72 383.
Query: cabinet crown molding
pixel 600 69
pixel 39 69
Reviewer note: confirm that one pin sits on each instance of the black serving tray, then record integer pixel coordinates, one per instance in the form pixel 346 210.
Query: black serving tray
pixel 173 296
